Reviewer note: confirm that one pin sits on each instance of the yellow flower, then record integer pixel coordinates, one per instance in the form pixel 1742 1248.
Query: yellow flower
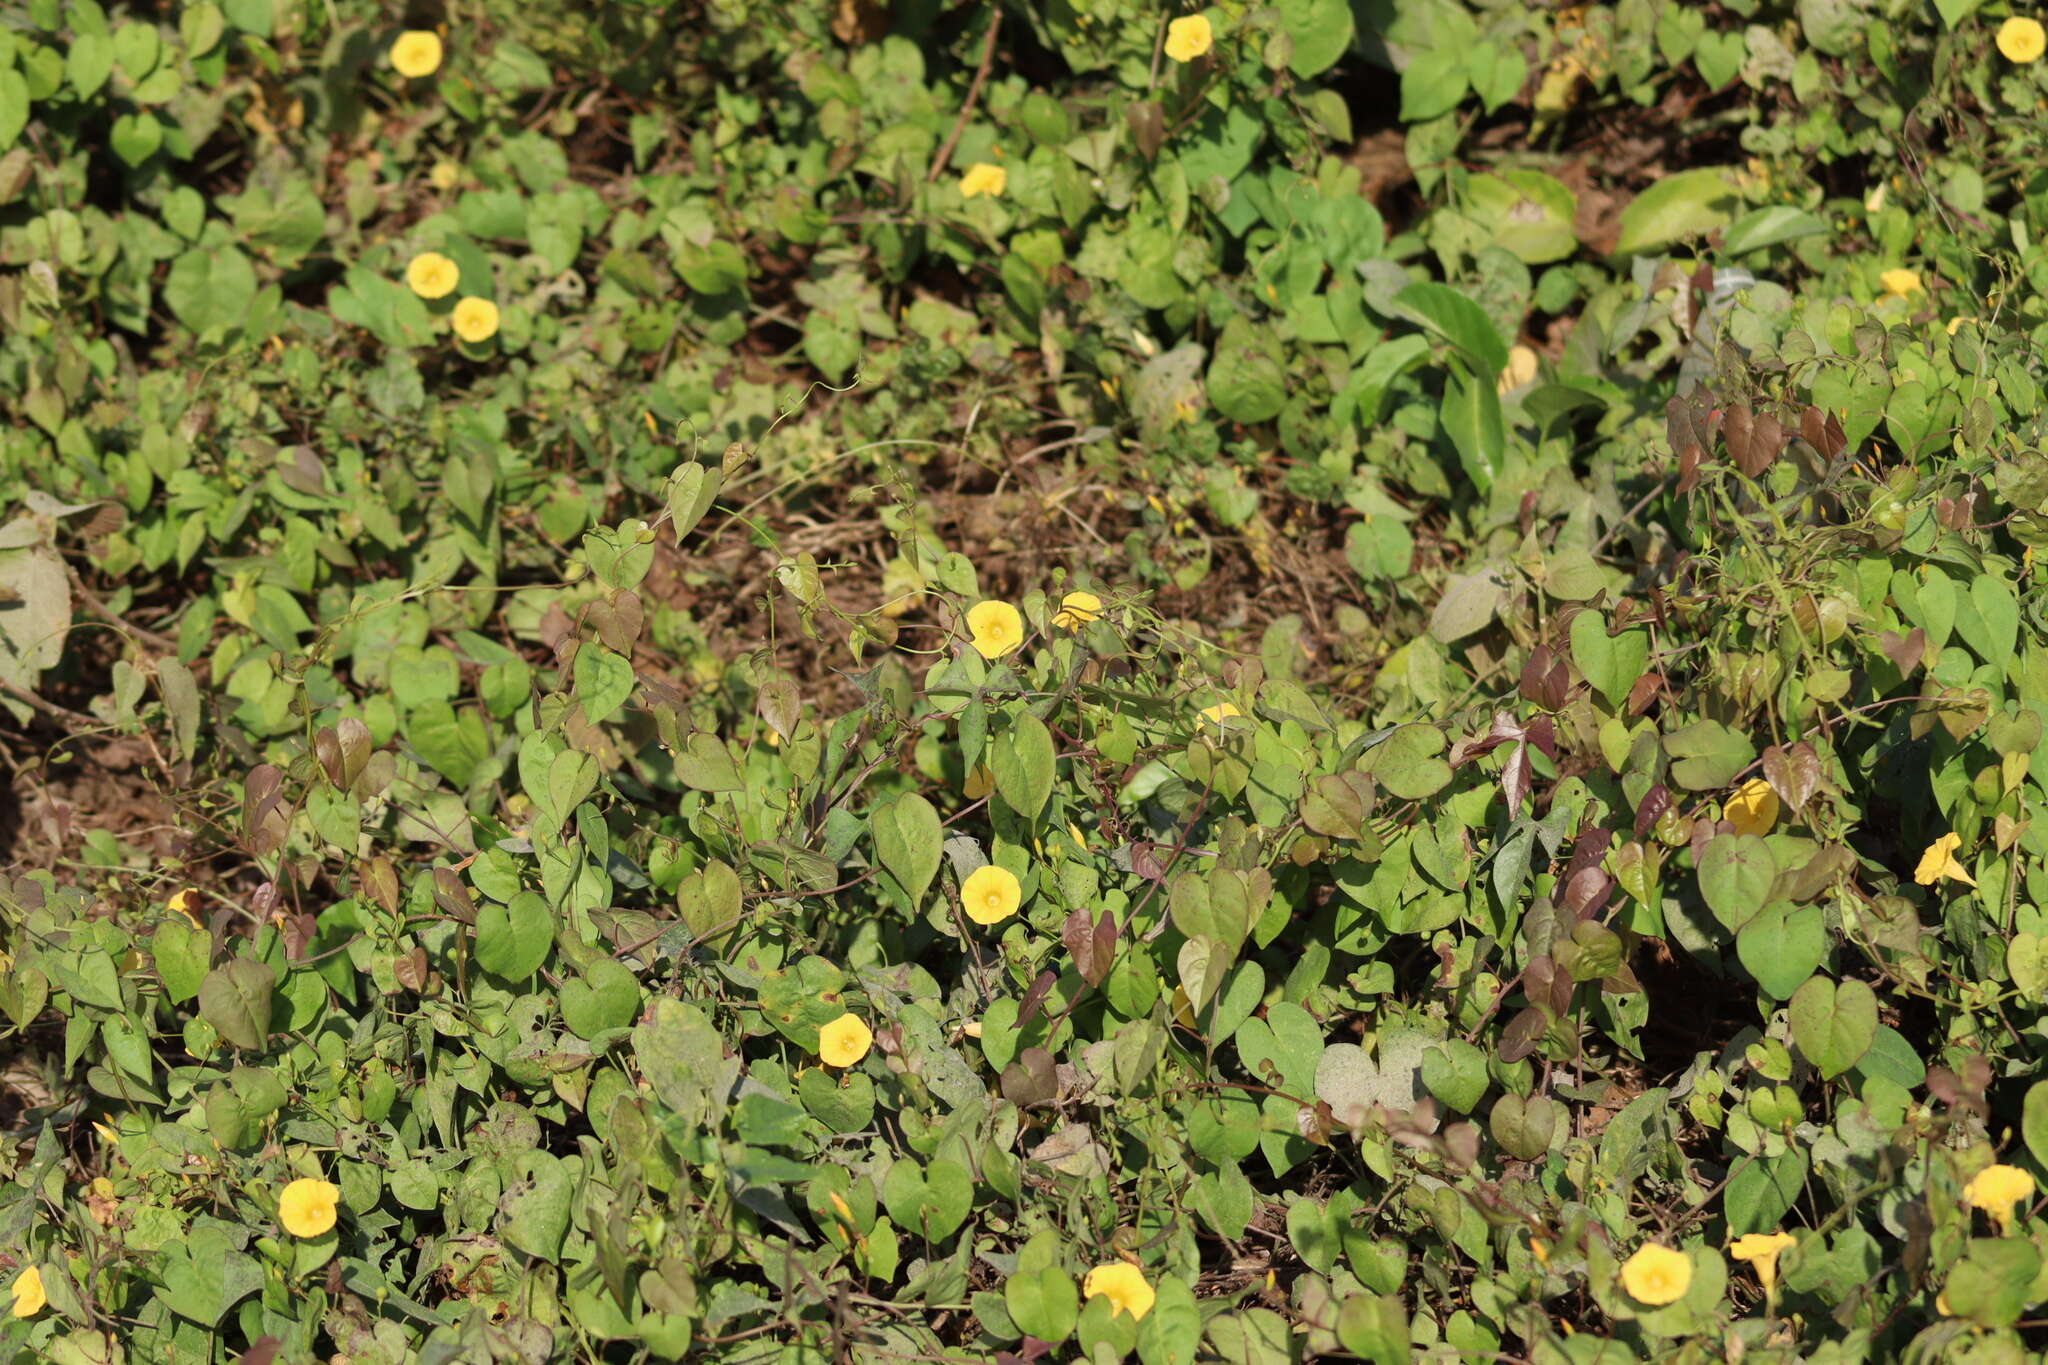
pixel 1189 37
pixel 1539 1247
pixel 1899 283
pixel 1123 1284
pixel 1520 369
pixel 1077 609
pixel 29 1297
pixel 1995 1189
pixel 844 1041
pixel 417 53
pixel 432 275
pixel 1220 712
pixel 1940 861
pixel 1956 323
pixel 446 175
pixel 982 178
pixel 979 783
pixel 1761 1250
pixel 1656 1275
pixel 475 319
pixel 991 894
pixel 1753 809
pixel 307 1207
pixel 2022 39
pixel 995 628
pixel 183 902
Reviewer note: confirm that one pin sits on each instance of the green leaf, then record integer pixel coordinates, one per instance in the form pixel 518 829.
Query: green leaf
pixel 705 764
pixel 2034 1121
pixel 605 997
pixel 1833 1025
pixel 1994 1281
pixel 1763 1189
pixel 843 1104
pixel 204 1276
pixel 136 137
pixel 691 490
pixel 533 1215
pixel 1471 417
pixel 452 743
pixel 932 1201
pixel 89 62
pixel 910 841
pixel 1374 1327
pixel 1433 84
pixel 1611 663
pixel 235 999
pixel 1023 760
pixel 1688 204
pixel 1320 31
pixel 14 108
pixel 1988 618
pixel 1171 1332
pixel 181 953
pixel 1458 320
pixel 1707 754
pixel 1045 1303
pixel 1248 377
pixel 1455 1072
pixel 1782 945
pixel 1770 226
pixel 1523 1126
pixel 1736 872
pixel 1406 765
pixel 513 940
pixel 603 680
pixel 212 287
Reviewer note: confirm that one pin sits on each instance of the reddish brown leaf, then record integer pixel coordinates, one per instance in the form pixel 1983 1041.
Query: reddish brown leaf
pixel 1655 802
pixel 1904 650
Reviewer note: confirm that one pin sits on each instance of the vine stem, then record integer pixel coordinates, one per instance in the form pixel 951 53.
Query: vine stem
pixel 988 58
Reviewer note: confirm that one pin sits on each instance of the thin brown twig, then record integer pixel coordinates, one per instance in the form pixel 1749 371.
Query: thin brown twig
pixel 106 613
pixel 48 707
pixel 988 57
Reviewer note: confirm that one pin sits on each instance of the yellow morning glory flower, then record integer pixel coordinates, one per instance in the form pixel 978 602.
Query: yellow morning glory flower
pixel 1189 37
pixel 1761 1250
pixel 1123 1284
pixel 1940 861
pixel 29 1297
pixel 1077 609
pixel 432 275
pixel 1753 809
pixel 417 53
pixel 475 319
pixel 995 629
pixel 844 1041
pixel 991 894
pixel 2022 39
pixel 307 1208
pixel 982 178
pixel 1899 283
pixel 1995 1189
pixel 1656 1275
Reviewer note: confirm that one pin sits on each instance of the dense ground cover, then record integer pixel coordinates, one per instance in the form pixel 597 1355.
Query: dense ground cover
pixel 899 682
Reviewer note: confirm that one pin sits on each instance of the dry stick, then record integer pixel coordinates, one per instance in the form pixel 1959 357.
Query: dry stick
pixel 988 57
pixel 48 707
pixel 101 610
